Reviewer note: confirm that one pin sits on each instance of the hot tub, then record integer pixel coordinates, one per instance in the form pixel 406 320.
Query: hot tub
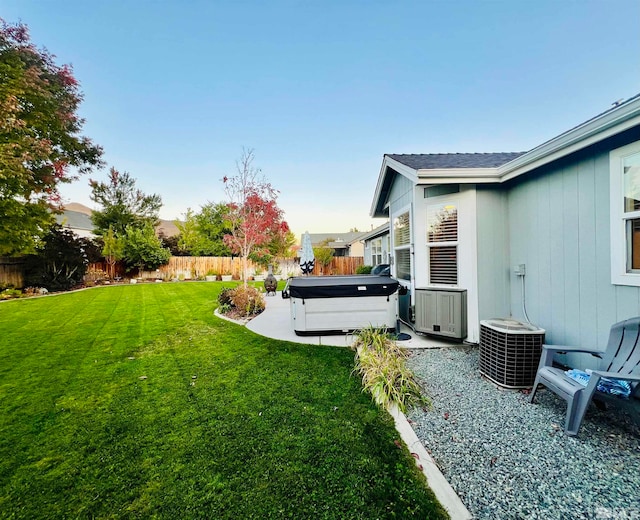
pixel 339 304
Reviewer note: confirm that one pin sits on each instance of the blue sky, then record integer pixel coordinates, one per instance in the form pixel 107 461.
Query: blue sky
pixel 321 90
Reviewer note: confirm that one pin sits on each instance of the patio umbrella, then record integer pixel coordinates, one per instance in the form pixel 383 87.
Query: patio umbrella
pixel 307 260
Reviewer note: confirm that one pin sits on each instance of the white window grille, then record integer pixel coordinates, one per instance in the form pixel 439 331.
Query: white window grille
pixel 442 242
pixel 402 246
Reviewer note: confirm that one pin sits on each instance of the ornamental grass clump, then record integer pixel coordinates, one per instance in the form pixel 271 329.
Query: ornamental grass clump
pixel 385 375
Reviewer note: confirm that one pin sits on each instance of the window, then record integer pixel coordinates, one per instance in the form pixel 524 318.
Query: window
pixel 625 215
pixel 376 251
pixel 402 246
pixel 442 242
pixel 631 215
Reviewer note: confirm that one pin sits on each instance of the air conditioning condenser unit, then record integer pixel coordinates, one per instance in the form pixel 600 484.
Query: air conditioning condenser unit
pixel 510 352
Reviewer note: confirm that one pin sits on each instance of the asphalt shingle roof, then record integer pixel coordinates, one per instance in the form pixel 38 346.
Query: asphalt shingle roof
pixel 438 161
pixel 337 240
pixel 75 220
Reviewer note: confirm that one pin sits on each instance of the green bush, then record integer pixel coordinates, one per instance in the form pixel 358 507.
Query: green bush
pixel 224 298
pixel 364 269
pixel 143 249
pixel 385 375
pixel 8 294
pixel 59 263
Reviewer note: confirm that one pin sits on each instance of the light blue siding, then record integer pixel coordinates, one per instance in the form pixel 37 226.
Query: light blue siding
pixel 401 194
pixel 385 249
pixel 493 253
pixel 559 228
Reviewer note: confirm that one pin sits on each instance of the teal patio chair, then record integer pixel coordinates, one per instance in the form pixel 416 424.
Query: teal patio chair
pixel 620 360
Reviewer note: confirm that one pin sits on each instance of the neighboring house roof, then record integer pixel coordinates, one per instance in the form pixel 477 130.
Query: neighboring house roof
pixel 80 208
pixel 75 220
pixel 336 240
pixel 431 169
pixel 435 161
pixel 78 216
pixel 376 232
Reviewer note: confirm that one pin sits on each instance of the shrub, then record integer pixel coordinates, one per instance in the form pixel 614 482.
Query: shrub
pixel 8 294
pixel 143 249
pixel 60 261
pixel 364 269
pixel 241 301
pixel 248 301
pixel 385 375
pixel 224 298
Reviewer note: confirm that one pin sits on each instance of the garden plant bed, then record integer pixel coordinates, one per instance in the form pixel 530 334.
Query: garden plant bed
pixel 509 459
pixel 136 401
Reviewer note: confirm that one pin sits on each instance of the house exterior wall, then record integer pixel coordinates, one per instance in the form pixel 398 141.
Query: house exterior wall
pixel 465 201
pixel 558 222
pixel 356 249
pixel 385 240
pixel 367 253
pixel 494 269
pixel 401 194
pixel 405 195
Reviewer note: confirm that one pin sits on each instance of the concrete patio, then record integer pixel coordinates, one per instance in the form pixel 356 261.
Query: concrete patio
pixel 275 322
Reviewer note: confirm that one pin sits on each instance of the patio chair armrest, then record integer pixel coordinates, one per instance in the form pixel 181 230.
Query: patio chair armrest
pixel 566 348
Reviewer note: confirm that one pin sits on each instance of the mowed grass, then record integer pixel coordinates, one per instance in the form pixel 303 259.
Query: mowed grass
pixel 137 402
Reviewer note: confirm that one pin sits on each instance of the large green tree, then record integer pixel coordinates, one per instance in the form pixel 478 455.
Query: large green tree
pixel 202 234
pixel 122 204
pixel 143 249
pixel 40 138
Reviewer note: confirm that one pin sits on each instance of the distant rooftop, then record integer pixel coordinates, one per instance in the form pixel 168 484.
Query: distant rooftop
pixel 336 240
pixel 441 161
pixel 75 220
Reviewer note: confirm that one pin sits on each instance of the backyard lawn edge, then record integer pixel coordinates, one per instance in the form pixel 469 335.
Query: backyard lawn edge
pixel 436 480
pixel 438 484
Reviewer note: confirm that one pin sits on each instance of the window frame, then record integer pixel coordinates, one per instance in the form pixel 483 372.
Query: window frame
pixel 443 244
pixel 621 220
pixel 405 248
pixel 376 251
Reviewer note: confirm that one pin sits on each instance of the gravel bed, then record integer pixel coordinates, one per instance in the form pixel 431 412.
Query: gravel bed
pixel 508 459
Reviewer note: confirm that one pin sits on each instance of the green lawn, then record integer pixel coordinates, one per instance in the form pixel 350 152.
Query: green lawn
pixel 137 402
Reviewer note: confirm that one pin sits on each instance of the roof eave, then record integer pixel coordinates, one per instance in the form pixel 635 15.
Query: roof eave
pixel 601 127
pixel 379 208
pixel 459 175
pixel 382 230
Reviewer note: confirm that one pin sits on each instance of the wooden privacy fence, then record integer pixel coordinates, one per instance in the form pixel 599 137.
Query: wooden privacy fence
pixel 194 267
pixel 11 271
pixel 190 268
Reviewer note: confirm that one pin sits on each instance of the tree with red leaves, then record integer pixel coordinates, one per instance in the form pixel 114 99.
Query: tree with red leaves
pixel 39 138
pixel 254 217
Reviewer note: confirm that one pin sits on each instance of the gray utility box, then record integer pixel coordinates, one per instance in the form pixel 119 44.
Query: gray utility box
pixel 442 312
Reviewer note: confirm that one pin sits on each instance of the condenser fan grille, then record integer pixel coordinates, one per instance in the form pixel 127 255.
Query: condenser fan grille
pixel 510 352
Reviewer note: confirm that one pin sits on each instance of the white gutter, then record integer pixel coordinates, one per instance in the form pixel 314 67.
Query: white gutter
pixel 610 123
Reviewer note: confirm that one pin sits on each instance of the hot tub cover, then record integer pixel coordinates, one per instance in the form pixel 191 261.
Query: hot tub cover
pixel 341 286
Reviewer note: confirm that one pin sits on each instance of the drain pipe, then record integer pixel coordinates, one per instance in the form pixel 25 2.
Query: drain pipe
pixel 520 271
